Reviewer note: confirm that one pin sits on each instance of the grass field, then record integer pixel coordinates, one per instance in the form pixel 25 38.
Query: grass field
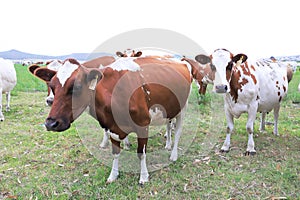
pixel 36 164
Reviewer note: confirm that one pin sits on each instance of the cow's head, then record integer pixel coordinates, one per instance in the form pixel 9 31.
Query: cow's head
pixel 73 86
pixel 53 65
pixel 222 61
pixel 129 53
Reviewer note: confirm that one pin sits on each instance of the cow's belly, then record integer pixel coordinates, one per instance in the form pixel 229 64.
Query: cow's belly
pixel 269 98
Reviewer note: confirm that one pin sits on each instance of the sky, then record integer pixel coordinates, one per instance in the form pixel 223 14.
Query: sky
pixel 257 28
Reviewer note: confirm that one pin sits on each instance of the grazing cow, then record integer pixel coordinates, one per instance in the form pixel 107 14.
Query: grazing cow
pixel 121 97
pixel 202 74
pixel 8 80
pixel 249 87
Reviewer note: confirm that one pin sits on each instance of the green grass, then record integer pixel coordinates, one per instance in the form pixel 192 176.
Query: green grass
pixel 36 164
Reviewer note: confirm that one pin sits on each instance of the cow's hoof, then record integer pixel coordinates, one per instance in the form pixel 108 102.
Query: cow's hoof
pixel 248 153
pixel 224 151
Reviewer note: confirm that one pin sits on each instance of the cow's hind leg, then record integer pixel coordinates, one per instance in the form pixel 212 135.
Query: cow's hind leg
pixel 1 114
pixel 168 135
pixel 178 131
pixel 276 115
pixel 8 101
pixel 249 127
pixel 262 122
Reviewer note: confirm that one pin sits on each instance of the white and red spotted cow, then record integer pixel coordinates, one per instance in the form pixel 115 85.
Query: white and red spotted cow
pixel 121 97
pixel 8 80
pixel 249 87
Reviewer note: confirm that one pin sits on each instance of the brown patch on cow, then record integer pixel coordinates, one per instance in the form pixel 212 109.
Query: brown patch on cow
pixel 280 98
pixel 253 68
pixel 278 93
pixel 72 61
pixel 277 82
pixel 246 70
pixel 235 84
pixel 284 88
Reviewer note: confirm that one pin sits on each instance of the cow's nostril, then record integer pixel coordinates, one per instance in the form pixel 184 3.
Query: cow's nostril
pixel 51 124
pixel 49 102
pixel 225 88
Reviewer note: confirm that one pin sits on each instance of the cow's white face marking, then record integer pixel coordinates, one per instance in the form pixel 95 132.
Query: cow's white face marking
pixel 65 71
pixel 125 63
pixel 54 65
pixel 220 59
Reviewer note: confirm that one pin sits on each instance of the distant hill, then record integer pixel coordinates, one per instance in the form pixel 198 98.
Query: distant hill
pixel 19 55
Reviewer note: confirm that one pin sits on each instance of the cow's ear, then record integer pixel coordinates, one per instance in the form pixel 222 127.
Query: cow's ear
pixel 45 73
pixel 120 54
pixel 33 67
pixel 203 59
pixel 239 57
pixel 93 77
pixel 138 54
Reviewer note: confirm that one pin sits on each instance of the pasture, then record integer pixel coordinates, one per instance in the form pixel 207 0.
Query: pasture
pixel 36 164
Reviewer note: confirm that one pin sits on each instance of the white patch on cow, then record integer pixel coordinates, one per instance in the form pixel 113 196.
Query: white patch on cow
pixel 144 171
pixel 54 65
pixel 114 173
pixel 93 84
pixel 220 59
pixel 125 63
pixel 157 117
pixel 114 136
pixel 65 71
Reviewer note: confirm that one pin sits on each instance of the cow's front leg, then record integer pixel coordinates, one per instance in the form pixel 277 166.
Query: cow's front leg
pixel 115 166
pixel 141 151
pixel 230 127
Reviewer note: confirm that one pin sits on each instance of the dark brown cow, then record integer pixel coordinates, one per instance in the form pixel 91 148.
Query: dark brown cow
pixel 125 97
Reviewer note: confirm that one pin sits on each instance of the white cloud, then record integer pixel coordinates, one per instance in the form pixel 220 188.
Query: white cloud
pixel 258 28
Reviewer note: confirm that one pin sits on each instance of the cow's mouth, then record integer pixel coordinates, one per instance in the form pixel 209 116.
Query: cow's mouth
pixel 57 125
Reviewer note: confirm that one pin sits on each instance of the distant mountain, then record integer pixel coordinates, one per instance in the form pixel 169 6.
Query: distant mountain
pixel 19 55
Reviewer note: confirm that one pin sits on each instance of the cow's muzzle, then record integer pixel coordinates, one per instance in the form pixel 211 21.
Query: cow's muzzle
pixel 52 124
pixel 221 88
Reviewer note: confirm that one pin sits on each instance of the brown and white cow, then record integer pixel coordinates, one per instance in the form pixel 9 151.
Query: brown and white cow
pixel 121 97
pixel 54 65
pixel 249 87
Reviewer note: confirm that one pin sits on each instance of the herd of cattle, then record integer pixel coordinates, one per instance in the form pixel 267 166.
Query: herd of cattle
pixel 132 90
